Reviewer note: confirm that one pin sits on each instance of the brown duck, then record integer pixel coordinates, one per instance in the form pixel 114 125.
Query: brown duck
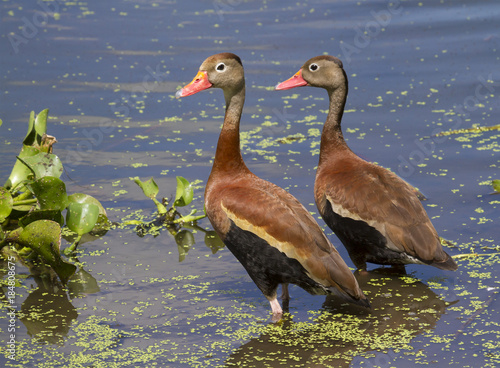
pixel 271 234
pixel 377 215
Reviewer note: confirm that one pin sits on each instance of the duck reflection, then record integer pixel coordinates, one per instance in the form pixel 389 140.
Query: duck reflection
pixel 397 300
pixel 402 307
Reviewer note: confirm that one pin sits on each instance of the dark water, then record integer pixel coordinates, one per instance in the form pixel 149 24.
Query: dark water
pixel 108 72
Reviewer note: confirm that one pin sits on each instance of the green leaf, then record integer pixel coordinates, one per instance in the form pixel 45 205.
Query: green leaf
pixel 41 124
pixel 53 215
pixel 44 237
pixel 82 217
pixel 50 192
pixel 6 204
pixel 1 122
pixel 102 219
pixel 31 134
pixel 45 164
pixel 184 192
pixel 496 185
pixel 20 171
pixel 37 127
pixel 149 187
pixel 28 151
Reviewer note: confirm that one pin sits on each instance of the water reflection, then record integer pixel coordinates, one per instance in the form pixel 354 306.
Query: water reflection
pixel 397 300
pixel 185 240
pixel 183 234
pixel 47 312
pixel 82 283
pixel 402 307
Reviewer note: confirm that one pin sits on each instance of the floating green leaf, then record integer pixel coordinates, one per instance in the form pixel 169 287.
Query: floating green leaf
pixel 184 192
pixel 50 192
pixel 44 237
pixel 102 219
pixel 6 203
pixel 82 217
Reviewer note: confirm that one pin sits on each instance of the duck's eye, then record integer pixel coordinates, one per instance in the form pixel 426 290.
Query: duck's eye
pixel 220 67
pixel 313 67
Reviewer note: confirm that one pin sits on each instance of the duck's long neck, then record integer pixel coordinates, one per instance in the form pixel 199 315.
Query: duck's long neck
pixel 332 139
pixel 228 155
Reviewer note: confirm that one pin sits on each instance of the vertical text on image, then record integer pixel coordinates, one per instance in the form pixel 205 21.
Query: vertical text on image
pixel 11 314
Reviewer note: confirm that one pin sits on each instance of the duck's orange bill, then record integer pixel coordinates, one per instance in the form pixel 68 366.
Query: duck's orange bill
pixel 295 81
pixel 199 83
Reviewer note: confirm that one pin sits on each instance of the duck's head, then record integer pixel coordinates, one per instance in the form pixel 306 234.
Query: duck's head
pixel 323 71
pixel 223 71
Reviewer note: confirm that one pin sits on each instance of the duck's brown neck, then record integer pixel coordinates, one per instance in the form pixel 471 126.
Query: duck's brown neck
pixel 332 139
pixel 228 155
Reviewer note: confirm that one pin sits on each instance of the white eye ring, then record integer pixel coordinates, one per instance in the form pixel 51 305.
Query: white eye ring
pixel 314 67
pixel 221 67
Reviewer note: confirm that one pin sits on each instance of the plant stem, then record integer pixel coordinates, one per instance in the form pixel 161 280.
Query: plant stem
pixel 161 208
pixel 11 237
pixel 188 219
pixel 25 195
pixel 73 246
pixel 24 202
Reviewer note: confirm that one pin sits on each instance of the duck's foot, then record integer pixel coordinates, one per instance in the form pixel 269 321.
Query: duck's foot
pixel 276 309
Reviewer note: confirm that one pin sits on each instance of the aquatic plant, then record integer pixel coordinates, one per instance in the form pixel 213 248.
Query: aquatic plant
pixel 34 198
pixel 178 225
pixel 183 197
pixel 32 201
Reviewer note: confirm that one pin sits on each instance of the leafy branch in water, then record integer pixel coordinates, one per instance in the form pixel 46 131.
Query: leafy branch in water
pixel 183 197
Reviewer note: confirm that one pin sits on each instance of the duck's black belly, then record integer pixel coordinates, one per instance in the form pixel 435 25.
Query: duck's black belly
pixel 267 266
pixel 363 242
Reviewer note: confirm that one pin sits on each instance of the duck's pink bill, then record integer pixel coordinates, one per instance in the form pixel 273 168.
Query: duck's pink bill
pixel 199 83
pixel 295 81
